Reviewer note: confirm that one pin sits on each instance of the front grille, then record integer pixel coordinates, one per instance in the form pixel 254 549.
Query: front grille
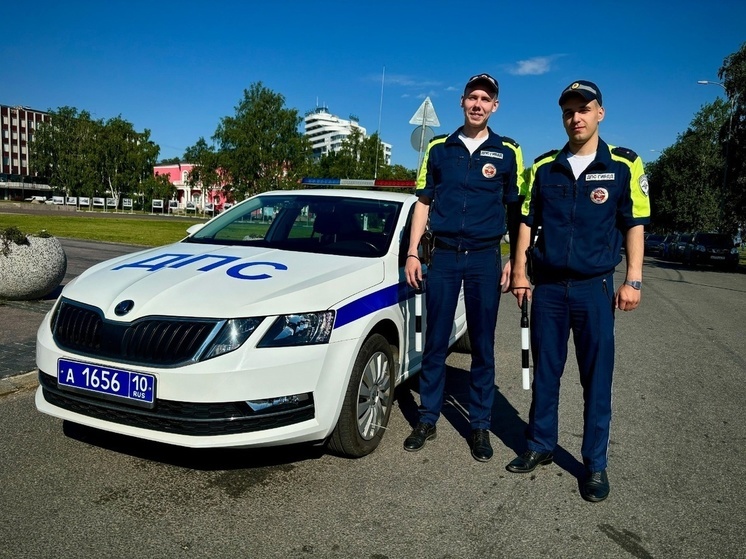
pixel 156 341
pixel 181 418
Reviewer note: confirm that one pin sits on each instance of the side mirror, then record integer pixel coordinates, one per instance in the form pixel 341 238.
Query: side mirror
pixel 194 228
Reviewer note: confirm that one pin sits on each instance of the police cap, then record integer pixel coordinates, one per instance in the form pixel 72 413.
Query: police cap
pixel 485 80
pixel 587 90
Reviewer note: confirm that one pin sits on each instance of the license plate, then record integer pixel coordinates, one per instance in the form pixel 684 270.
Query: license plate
pixel 111 384
pixel 717 257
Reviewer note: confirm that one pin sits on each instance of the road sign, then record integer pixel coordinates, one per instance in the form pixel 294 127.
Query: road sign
pixel 425 115
pixel 421 136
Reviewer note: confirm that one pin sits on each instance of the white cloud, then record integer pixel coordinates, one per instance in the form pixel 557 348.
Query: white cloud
pixel 535 66
pixel 402 80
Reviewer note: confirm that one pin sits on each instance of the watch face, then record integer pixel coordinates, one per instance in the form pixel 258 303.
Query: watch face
pixel 634 284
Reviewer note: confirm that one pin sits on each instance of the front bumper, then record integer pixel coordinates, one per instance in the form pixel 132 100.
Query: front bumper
pixel 204 405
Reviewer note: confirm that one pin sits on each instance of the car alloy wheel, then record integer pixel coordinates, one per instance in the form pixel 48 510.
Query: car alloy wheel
pixel 368 400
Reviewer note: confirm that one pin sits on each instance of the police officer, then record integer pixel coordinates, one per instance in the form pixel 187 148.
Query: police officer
pixel 589 199
pixel 465 182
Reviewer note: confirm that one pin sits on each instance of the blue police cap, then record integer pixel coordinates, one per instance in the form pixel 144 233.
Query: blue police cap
pixel 587 90
pixel 482 79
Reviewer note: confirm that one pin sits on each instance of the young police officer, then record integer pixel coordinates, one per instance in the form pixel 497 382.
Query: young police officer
pixel 464 184
pixel 589 199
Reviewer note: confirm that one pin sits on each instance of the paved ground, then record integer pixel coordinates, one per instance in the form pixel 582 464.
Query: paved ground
pixel 20 320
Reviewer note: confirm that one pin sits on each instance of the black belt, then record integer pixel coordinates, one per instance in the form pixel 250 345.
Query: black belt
pixel 439 243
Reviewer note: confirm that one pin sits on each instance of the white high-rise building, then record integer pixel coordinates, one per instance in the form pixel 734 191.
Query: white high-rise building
pixel 327 131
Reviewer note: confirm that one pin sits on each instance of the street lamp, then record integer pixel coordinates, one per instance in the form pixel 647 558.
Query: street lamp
pixel 730 129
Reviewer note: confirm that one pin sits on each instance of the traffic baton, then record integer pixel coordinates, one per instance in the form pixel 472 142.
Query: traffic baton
pixel 418 322
pixel 525 344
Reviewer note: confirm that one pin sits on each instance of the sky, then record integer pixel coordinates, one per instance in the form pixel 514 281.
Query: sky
pixel 178 68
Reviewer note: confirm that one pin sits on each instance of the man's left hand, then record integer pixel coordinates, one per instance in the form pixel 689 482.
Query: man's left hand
pixel 627 298
pixel 505 278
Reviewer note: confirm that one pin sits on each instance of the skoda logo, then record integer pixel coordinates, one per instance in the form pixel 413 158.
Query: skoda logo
pixel 124 307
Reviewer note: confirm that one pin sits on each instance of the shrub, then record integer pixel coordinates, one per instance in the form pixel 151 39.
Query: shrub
pixel 14 235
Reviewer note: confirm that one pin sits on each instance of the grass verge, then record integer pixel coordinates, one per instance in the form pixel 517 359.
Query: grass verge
pixel 146 232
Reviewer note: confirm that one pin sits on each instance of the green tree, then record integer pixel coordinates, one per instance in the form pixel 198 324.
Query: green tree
pixel 156 187
pixel 733 138
pixel 261 148
pixel 63 148
pixel 123 157
pixel 396 172
pixel 699 183
pixel 86 157
pixel 686 179
pixel 205 174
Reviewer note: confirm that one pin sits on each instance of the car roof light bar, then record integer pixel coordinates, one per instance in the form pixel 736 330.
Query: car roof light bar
pixel 357 183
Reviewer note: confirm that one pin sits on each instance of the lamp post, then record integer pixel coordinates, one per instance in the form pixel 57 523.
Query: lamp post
pixel 730 129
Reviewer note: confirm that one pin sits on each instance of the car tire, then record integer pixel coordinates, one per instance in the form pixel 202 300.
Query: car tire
pixel 368 401
pixel 463 344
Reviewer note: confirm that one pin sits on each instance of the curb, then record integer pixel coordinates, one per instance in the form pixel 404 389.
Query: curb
pixel 26 381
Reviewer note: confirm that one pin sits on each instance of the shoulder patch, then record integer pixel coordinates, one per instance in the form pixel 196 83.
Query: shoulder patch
pixel 510 141
pixel 550 153
pixel 624 152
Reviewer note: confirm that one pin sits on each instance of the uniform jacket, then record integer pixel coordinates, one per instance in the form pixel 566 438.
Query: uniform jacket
pixel 583 221
pixel 469 192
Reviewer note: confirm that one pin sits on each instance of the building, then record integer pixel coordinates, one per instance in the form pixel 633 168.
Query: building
pixel 190 197
pixel 17 127
pixel 326 132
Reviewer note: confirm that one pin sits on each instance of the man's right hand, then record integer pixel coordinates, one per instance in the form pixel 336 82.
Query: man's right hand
pixel 520 286
pixel 413 271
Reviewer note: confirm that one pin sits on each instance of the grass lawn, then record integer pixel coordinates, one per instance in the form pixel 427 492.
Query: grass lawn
pixel 146 232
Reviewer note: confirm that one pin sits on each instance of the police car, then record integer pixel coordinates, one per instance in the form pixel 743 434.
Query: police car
pixel 286 319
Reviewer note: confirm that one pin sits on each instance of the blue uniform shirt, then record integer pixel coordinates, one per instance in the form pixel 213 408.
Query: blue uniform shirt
pixel 583 221
pixel 469 192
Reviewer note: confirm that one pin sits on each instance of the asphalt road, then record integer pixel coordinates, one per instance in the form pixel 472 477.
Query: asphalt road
pixel 677 465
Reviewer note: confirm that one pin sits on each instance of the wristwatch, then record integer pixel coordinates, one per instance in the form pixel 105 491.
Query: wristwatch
pixel 634 284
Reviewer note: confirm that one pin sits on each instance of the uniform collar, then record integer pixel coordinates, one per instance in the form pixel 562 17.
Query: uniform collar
pixel 491 140
pixel 603 156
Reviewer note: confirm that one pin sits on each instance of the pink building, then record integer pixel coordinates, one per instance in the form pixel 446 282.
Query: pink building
pixel 186 194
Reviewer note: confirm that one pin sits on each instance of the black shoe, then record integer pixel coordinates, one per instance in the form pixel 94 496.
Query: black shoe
pixel 420 434
pixel 595 488
pixel 528 461
pixel 481 449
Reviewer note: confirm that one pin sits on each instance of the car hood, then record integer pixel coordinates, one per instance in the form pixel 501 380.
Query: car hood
pixel 197 280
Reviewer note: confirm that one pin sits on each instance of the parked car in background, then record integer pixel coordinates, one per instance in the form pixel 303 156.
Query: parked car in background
pixel 715 249
pixel 654 245
pixel 668 243
pixel 678 246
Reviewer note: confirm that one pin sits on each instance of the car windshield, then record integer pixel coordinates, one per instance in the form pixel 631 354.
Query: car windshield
pixel 306 223
pixel 714 240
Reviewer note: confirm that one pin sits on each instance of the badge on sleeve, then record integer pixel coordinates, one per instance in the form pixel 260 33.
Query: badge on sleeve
pixel 644 184
pixel 599 195
pixel 489 170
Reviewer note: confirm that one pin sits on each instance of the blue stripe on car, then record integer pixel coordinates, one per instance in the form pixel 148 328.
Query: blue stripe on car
pixel 373 302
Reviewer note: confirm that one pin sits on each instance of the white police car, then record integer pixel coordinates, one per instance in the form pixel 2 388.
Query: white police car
pixel 286 319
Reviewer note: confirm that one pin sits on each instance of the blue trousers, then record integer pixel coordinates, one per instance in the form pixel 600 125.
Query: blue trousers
pixel 479 271
pixel 586 309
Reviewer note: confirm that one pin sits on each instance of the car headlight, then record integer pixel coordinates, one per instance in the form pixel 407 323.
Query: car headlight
pixel 701 248
pixel 235 332
pixel 299 329
pixel 734 250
